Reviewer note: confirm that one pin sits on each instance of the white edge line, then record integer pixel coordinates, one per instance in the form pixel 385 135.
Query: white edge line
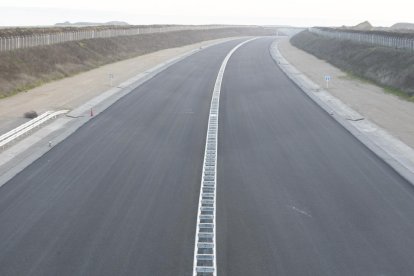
pixel 214 109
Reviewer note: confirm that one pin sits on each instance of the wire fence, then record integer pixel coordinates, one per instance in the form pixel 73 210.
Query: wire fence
pixel 394 40
pixel 19 42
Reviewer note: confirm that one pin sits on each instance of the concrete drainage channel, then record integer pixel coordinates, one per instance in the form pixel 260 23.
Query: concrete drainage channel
pixel 13 159
pixel 205 238
pixel 390 149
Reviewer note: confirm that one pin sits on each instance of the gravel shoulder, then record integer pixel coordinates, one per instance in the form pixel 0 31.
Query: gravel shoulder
pixel 388 111
pixel 71 92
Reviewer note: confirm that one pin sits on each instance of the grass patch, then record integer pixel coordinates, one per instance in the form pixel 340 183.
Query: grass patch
pixel 387 89
pixel 399 93
pixel 349 75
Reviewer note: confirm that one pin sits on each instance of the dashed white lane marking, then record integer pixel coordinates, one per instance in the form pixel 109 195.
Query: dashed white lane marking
pixel 205 239
pixel 296 209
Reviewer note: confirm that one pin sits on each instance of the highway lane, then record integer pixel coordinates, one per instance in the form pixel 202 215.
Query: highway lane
pixel 297 194
pixel 119 196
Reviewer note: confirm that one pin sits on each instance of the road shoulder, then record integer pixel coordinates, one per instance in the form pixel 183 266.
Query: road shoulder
pixel 389 148
pixel 391 113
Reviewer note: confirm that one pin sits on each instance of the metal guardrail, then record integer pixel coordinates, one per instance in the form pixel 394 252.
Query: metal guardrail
pixel 14 134
pixel 20 42
pixel 392 41
pixel 23 126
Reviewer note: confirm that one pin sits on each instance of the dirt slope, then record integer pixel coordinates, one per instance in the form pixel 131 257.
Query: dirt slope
pixel 386 66
pixel 23 69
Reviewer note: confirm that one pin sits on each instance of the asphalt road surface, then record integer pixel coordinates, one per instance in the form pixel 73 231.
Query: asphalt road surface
pixel 297 194
pixel 119 197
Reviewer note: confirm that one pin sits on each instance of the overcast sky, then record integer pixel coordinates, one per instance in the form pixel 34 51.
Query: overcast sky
pixel 269 12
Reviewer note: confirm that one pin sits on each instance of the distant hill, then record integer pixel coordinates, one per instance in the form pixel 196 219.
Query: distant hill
pixel 364 26
pixel 402 26
pixel 82 24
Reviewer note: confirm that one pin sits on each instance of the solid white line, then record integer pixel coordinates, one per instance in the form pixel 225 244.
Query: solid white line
pixel 205 238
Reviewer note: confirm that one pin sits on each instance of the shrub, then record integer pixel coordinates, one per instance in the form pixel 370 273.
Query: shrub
pixel 30 114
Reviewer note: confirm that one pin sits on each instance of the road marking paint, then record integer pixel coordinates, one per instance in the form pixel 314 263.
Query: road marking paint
pixel 294 208
pixel 205 239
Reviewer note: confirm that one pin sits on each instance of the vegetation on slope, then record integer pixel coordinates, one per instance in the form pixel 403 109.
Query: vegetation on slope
pixel 23 69
pixel 391 68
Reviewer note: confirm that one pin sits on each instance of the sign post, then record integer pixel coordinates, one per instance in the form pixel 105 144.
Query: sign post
pixel 111 77
pixel 327 79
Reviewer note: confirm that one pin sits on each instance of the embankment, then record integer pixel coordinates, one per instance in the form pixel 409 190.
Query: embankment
pixel 24 69
pixel 391 68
